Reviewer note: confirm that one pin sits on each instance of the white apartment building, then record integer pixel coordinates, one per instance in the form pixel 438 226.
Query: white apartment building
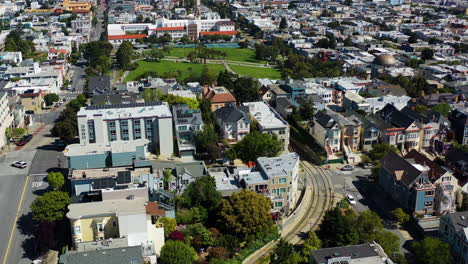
pixel 105 124
pixel 378 103
pixel 270 121
pixel 6 118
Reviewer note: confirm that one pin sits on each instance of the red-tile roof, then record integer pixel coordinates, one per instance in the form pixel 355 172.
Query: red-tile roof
pixel 169 28
pixel 219 97
pixel 130 36
pixel 210 33
pixel 152 208
pixel 63 51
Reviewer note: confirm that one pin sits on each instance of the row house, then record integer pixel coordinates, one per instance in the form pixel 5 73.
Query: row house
pixel 453 229
pixel 233 122
pixel 187 122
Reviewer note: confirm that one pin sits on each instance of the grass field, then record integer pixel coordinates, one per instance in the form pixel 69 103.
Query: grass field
pixel 169 66
pixel 256 72
pixel 246 55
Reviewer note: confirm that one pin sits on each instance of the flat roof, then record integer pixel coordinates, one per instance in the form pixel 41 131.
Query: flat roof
pixel 265 115
pixel 278 166
pixel 100 148
pixel 108 172
pixel 126 111
pixel 106 208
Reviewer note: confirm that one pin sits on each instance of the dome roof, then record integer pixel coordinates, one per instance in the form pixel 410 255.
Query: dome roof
pixel 385 60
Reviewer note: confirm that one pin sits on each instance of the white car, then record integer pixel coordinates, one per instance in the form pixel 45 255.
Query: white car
pixel 19 164
pixel 350 199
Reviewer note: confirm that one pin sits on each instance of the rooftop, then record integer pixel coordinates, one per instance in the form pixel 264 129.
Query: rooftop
pixel 106 208
pixel 126 255
pixel 266 116
pixel 125 111
pixel 101 148
pixel 278 166
pixel 117 172
pixel 366 253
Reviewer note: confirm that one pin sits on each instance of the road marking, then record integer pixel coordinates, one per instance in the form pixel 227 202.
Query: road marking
pixel 16 220
pixel 36 184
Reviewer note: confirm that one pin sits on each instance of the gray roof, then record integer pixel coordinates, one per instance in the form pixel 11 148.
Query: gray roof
pixel 196 169
pixel 400 168
pixel 184 115
pixel 230 113
pixel 99 84
pixel 459 220
pixel 126 255
pixel 355 252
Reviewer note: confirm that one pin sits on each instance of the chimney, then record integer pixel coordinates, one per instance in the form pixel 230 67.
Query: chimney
pixel 83 175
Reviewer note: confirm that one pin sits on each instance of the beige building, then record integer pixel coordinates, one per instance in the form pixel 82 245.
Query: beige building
pixel 32 100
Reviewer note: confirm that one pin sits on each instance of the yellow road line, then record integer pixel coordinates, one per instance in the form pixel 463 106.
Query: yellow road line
pixel 16 220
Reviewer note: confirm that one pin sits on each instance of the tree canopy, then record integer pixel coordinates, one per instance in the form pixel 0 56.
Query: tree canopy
pixel 51 98
pixel 125 55
pixel 56 180
pixel 255 145
pixel 380 150
pixel 97 53
pixel 284 253
pixel 50 207
pixel 431 251
pixel 245 89
pixel 202 193
pixel 169 225
pixel 443 109
pixel 245 213
pixel 177 252
pixel 337 229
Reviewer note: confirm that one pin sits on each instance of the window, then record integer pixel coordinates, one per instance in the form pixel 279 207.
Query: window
pixel 428 204
pixel 282 132
pixel 272 181
pixel 124 130
pixel 112 131
pixel 149 129
pixel 77 230
pixel 282 180
pixel 278 204
pixel 182 128
pixel 186 182
pixel 136 129
pixel 429 193
pixel 100 227
pixel 114 224
pixel 283 190
pixel 91 132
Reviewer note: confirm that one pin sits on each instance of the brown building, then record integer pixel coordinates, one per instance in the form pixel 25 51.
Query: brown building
pixel 32 100
pixel 219 96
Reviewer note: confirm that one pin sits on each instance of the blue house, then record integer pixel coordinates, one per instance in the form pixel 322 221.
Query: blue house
pixel 294 88
pixel 407 182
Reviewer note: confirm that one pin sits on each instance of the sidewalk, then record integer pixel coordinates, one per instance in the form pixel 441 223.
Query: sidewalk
pixel 35 129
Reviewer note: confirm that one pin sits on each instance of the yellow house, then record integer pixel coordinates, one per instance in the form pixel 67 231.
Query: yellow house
pixel 32 99
pixel 116 222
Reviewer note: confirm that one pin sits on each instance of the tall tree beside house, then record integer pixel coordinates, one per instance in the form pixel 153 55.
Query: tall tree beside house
pixel 207 77
pixel 388 241
pixel 207 115
pixel 50 207
pixel 245 213
pixel 380 150
pixel 125 54
pixel 177 252
pixel 51 98
pixel 14 42
pixel 245 89
pixel 368 225
pixel 306 110
pixel 205 138
pixel 255 145
pixel 427 54
pixel 283 23
pixel 167 178
pixel 312 242
pixel 338 229
pixel 400 216
pixel 202 193
pixel 431 251
pixel 443 109
pixel 284 253
pixel 56 180
pixel 95 49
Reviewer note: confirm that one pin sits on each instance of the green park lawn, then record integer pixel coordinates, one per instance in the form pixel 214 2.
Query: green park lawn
pixel 246 55
pixel 170 66
pixel 254 72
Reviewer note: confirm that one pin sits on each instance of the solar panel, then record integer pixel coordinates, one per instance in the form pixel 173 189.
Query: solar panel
pixel 131 105
pixel 103 183
pixel 124 177
pixel 121 187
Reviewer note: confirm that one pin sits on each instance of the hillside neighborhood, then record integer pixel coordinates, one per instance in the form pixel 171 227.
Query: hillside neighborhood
pixel 233 132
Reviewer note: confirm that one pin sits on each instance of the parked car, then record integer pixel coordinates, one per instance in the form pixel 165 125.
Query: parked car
pixel 30 112
pixel 347 168
pixel 21 143
pixel 27 138
pixel 19 164
pixel 350 199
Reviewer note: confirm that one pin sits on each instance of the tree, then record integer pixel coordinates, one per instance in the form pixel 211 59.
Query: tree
pixel 337 229
pixel 399 258
pixel 443 109
pixel 207 115
pixel 243 44
pixel 256 145
pixel 51 207
pixel 368 225
pixel 125 54
pixel 205 138
pixel 176 252
pixel 431 251
pixel 427 54
pixel 226 78
pixel 51 98
pixel 245 89
pixel 93 50
pixel 380 150
pixel 312 242
pixel 167 174
pixel 176 235
pixel 388 241
pixel 155 54
pixel 306 110
pixel 169 225
pixel 14 132
pixel 207 77
pixel 348 2
pixel 202 193
pixel 283 23
pixel 151 95
pixel 348 42
pixel 413 39
pixel 400 216
pixel 284 253
pixel 245 213
pixel 56 180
